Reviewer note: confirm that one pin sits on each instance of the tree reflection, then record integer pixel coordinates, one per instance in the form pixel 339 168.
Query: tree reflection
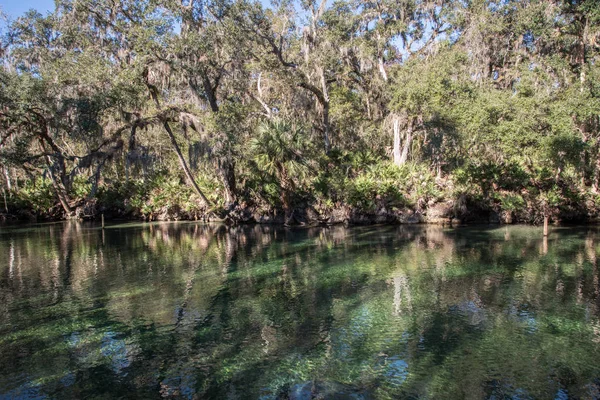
pixel 210 311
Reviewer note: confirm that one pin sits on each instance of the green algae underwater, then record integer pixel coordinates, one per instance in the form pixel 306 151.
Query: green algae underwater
pixel 186 310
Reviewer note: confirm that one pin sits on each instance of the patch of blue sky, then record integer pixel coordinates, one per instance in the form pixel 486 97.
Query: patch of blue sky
pixel 15 8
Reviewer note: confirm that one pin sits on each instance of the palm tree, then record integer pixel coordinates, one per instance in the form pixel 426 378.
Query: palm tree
pixel 278 151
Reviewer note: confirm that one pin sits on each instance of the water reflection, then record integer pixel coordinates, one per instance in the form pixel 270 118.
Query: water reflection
pixel 207 311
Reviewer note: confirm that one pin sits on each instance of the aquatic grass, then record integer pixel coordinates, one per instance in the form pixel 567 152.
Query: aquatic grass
pixel 391 312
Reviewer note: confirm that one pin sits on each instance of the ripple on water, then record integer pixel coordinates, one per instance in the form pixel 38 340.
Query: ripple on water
pixel 198 311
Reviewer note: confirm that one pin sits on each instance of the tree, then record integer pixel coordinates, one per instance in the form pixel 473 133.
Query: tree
pixel 148 89
pixel 278 150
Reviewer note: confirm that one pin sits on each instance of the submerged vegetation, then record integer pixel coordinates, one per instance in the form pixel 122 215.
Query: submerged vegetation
pixel 187 310
pixel 307 111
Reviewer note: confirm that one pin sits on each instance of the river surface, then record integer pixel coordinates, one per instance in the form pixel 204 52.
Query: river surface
pixel 184 310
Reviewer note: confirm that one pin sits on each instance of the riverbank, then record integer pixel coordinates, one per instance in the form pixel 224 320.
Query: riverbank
pixel 447 212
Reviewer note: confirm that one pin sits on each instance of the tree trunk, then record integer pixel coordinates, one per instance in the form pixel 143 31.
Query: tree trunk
pixel 285 197
pixel 396 149
pixel 407 144
pixel 44 137
pixel 5 202
pixel 596 176
pixel 96 181
pixel 130 150
pixel 286 187
pixel 210 89
pixel 382 69
pixel 584 163
pixel 226 167
pixel 326 127
pixel 8 181
pixel 227 175
pixel 183 164
pixel 57 184
pixel 60 192
pixel 325 103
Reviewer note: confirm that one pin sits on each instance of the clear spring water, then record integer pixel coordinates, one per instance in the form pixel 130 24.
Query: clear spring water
pixel 185 310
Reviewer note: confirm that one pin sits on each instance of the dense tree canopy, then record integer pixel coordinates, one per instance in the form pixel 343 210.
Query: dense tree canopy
pixel 217 106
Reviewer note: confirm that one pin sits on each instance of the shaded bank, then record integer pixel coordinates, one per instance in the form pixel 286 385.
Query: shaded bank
pixel 449 212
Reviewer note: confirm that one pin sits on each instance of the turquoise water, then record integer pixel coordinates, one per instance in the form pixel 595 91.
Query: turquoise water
pixel 185 310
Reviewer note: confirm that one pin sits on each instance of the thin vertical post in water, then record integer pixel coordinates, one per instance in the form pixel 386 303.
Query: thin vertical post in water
pixel 102 221
pixel 545 225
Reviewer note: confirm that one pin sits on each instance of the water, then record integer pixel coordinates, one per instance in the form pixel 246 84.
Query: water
pixel 184 310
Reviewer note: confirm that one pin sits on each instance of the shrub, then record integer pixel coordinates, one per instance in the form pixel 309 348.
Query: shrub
pixel 381 183
pixel 37 195
pixel 487 177
pixel 511 202
pixel 80 188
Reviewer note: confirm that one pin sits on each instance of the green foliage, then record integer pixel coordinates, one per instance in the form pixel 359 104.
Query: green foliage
pixel 338 170
pixel 81 187
pixel 37 195
pixel 428 88
pixel 156 196
pixel 488 177
pixel 278 149
pixel 127 197
pixel 550 198
pixel 493 100
pixel 392 186
pixel 168 194
pixel 564 150
pixel 511 202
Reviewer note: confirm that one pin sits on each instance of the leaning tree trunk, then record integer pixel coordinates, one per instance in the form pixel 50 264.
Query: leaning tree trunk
pixel 184 165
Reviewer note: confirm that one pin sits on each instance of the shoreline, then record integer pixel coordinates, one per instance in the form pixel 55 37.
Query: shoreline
pixel 307 217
